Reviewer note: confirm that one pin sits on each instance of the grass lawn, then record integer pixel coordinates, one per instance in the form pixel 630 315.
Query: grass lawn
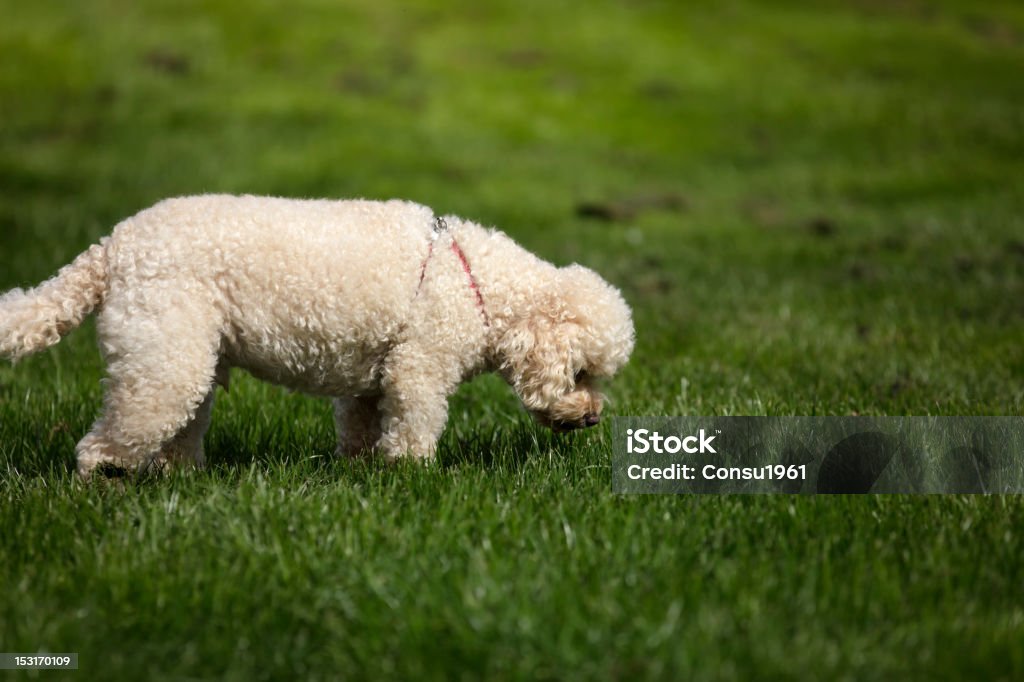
pixel 812 211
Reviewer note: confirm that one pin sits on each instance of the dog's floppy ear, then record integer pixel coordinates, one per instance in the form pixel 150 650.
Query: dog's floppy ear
pixel 536 357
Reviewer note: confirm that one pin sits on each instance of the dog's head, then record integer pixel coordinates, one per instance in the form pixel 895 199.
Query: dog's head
pixel 578 331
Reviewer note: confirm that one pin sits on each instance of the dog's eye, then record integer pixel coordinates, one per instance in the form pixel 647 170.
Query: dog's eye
pixel 580 376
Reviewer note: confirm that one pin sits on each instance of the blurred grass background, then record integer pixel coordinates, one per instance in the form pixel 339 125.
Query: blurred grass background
pixel 813 209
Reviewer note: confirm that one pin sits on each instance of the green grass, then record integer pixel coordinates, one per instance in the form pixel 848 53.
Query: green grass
pixel 837 228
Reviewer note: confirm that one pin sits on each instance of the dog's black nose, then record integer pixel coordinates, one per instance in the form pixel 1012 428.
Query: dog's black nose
pixel 591 420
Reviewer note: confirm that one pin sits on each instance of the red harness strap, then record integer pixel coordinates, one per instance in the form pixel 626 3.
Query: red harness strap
pixel 465 267
pixel 423 268
pixel 472 281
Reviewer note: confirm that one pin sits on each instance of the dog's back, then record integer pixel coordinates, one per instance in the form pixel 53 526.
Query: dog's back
pixel 289 286
pixel 306 291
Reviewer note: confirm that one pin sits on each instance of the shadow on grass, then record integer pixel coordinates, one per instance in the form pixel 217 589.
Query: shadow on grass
pixel 297 452
pixel 508 446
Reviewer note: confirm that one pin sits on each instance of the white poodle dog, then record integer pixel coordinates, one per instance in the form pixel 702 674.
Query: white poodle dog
pixel 379 305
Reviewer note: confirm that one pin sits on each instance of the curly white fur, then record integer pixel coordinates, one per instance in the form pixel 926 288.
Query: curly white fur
pixel 348 299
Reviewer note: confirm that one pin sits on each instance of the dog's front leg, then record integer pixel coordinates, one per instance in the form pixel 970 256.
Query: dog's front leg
pixel 414 406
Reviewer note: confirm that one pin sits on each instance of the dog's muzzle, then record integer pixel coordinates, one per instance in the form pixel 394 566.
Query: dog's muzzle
pixel 586 422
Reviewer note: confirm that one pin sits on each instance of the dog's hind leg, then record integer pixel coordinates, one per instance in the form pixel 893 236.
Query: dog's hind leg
pixel 357 420
pixel 159 392
pixel 186 448
pixel 102 448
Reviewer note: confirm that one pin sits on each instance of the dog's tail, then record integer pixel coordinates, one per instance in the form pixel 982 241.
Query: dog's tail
pixel 36 319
